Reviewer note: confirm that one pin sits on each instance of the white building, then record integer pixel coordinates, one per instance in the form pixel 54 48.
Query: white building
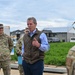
pixel 63 33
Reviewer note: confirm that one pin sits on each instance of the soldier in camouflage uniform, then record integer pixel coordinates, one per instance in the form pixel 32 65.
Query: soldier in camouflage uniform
pixel 70 61
pixel 6 45
pixel 19 51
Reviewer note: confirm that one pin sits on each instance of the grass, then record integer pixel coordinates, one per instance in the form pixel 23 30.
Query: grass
pixel 14 57
pixel 56 54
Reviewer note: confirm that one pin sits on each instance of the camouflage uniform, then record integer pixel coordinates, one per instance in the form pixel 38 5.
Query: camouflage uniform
pixel 6 45
pixel 19 49
pixel 70 61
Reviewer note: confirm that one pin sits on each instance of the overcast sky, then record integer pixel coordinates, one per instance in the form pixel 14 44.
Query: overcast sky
pixel 49 13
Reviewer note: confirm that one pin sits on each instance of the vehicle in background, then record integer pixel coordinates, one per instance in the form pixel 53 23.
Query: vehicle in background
pixel 72 39
pixel 53 39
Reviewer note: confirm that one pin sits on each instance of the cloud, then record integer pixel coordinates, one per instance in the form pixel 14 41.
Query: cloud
pixel 41 24
pixel 49 13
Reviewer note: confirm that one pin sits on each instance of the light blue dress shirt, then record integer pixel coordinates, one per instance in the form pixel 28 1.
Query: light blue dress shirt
pixel 44 42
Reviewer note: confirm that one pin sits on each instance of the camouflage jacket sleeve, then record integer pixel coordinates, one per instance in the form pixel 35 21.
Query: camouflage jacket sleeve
pixel 19 46
pixel 10 42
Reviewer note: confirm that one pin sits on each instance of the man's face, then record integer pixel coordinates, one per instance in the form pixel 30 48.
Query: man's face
pixel 1 30
pixel 31 25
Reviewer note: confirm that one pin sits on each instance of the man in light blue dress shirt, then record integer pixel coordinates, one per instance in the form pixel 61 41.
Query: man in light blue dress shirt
pixel 44 42
pixel 32 67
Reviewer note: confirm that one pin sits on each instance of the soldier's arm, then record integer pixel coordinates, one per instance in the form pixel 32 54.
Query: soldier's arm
pixel 19 47
pixel 10 43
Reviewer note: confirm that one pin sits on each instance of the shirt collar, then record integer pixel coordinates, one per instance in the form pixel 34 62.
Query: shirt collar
pixel 32 33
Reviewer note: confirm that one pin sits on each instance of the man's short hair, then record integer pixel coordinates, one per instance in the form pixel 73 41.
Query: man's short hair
pixel 32 18
pixel 1 25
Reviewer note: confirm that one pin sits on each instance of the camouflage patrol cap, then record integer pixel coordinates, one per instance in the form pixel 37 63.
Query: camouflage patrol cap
pixel 1 25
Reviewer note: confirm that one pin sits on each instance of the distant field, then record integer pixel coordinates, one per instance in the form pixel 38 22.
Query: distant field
pixel 57 53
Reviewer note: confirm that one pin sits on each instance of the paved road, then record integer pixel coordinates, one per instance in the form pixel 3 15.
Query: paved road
pixel 16 72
